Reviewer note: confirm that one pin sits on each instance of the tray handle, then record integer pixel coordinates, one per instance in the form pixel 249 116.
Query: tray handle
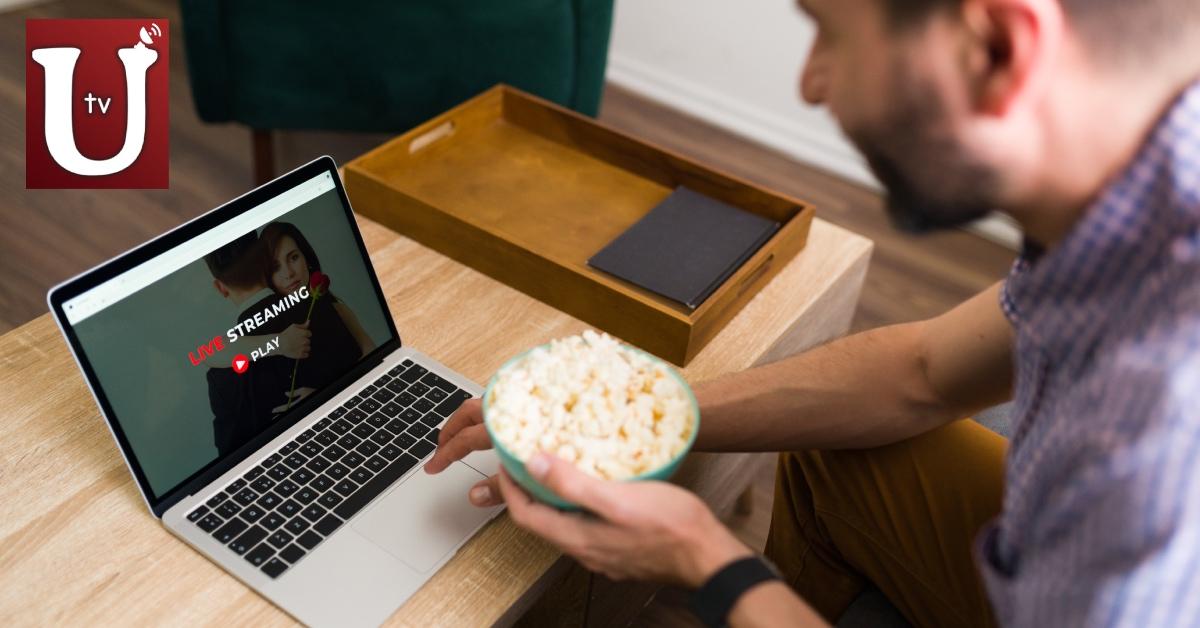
pixel 755 275
pixel 441 131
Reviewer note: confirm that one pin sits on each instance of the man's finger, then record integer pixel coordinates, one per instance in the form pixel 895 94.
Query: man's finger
pixel 573 485
pixel 473 438
pixel 569 532
pixel 486 493
pixel 468 414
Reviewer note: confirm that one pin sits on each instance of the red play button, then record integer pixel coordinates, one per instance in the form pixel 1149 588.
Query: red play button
pixel 240 363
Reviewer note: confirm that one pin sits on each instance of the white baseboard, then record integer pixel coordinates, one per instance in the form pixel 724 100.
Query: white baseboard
pixel 796 140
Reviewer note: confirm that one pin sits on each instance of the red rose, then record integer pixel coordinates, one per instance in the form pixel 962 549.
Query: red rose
pixel 318 282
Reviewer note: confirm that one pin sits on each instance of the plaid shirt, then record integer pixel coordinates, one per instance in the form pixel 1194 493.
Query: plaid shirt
pixel 1101 516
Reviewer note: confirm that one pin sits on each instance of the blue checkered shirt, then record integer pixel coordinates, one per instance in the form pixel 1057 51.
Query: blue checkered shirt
pixel 1101 518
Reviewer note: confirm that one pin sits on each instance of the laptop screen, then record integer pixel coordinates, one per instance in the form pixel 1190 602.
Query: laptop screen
pixel 205 346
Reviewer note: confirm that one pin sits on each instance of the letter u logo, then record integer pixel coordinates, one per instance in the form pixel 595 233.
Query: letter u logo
pixel 59 64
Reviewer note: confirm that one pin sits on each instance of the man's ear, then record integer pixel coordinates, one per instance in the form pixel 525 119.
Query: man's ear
pixel 1011 47
pixel 221 288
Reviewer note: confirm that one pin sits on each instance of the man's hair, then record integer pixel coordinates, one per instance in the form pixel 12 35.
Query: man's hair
pixel 241 264
pixel 1115 30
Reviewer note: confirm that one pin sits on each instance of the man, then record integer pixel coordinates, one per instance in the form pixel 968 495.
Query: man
pixel 1081 120
pixel 245 404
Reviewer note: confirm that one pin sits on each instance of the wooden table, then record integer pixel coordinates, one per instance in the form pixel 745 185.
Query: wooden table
pixel 78 546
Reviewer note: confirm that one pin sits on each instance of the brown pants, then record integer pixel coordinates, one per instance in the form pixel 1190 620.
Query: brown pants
pixel 903 517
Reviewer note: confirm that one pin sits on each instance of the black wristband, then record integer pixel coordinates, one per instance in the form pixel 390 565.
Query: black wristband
pixel 715 598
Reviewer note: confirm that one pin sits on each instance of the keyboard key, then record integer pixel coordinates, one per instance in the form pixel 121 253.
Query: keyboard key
pixel 320 425
pixel 353 459
pixel 295 461
pixel 432 419
pixel 360 475
pixel 341 426
pixel 362 430
pixel 305 436
pixel 377 420
pixel 417 429
pixel 196 514
pixel 278 472
pixel 228 509
pixel 209 522
pixel 397 386
pixel 260 554
pixel 327 525
pixel 377 485
pixel 262 484
pixel 274 567
pixel 288 448
pixel 289 508
pixel 230 530
pixel 309 539
pixel 369 405
pixel 418 389
pixel 248 539
pixel 303 476
pixel 383 379
pixel 368 390
pixel 338 471
pixel 421 449
pixel 326 438
pixel 286 488
pixel 317 465
pixel 333 452
pixel 345 487
pixel 292 553
pixel 383 396
pixel 410 416
pixel 254 473
pixel 311 448
pixel 436 395
pixel 352 402
pixel 435 380
pixel 329 500
pixel 350 441
pixel 252 513
pixel 407 399
pixel 216 499
pixel 338 412
pixel 414 373
pixel 423 405
pixel 322 483
pixel 269 501
pixel 313 512
pixel 375 464
pixel 305 495
pixel 404 441
pixel 396 426
pixel 235 486
pixel 390 451
pixel 401 368
pixel 271 461
pixel 280 539
pixel 297 525
pixel 272 521
pixel 382 437
pixel 356 416
pixel 433 434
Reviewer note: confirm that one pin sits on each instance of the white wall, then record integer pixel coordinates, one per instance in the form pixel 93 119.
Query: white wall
pixel 736 64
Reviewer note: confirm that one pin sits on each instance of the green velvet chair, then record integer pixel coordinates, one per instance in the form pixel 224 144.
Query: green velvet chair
pixel 384 65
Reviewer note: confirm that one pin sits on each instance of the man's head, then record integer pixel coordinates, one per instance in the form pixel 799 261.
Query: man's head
pixel 966 106
pixel 239 269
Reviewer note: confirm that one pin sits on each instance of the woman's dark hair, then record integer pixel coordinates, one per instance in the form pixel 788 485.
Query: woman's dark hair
pixel 273 233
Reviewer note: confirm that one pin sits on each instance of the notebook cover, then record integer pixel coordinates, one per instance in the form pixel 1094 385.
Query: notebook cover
pixel 686 247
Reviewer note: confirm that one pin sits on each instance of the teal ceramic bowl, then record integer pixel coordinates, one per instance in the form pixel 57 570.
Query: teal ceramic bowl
pixel 516 468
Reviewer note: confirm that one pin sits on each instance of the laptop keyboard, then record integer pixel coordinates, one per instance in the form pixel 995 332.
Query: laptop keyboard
pixel 281 509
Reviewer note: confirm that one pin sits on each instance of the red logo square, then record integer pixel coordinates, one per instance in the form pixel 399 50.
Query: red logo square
pixel 86 125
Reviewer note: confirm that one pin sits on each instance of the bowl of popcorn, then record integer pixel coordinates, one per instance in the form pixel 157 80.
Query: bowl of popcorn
pixel 615 412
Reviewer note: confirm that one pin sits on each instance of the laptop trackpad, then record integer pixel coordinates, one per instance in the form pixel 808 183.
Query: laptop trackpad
pixel 426 517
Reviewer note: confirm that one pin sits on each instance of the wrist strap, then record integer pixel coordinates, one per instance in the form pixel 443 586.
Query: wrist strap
pixel 712 601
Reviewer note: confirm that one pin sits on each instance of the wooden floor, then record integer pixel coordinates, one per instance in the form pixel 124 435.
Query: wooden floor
pixel 49 235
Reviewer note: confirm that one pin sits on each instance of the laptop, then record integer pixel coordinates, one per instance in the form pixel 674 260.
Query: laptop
pixel 253 377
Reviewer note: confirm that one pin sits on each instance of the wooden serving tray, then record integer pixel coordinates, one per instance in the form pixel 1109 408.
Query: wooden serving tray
pixel 526 191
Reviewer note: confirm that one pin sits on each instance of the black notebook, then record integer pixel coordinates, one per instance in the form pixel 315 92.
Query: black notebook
pixel 686 247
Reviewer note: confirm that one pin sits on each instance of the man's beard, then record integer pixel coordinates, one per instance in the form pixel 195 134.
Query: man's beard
pixel 932 181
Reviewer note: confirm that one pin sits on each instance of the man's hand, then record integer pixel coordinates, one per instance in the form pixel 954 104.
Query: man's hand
pixel 296 341
pixel 299 394
pixel 644 530
pixel 461 435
